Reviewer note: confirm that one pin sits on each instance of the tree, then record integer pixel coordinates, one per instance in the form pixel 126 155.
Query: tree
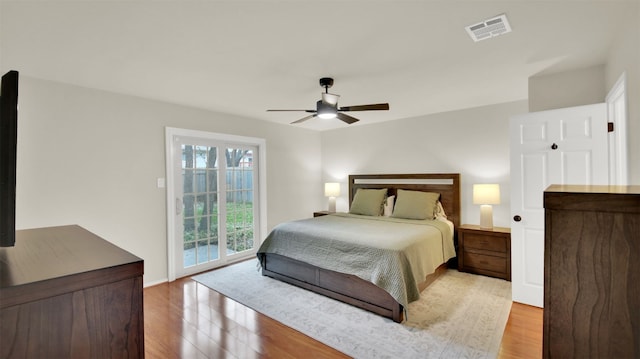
pixel 234 156
pixel 212 189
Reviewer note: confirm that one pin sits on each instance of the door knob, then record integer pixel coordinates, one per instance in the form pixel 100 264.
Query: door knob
pixel 517 218
pixel 554 147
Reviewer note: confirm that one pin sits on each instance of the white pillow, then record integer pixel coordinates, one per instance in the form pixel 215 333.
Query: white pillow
pixel 388 206
pixel 439 212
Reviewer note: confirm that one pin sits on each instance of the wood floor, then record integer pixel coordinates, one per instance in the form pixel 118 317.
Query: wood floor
pixel 185 319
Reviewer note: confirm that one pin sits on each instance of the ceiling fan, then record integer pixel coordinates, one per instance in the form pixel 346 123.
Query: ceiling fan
pixel 327 107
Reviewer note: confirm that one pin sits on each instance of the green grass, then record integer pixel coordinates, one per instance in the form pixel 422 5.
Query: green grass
pixel 239 226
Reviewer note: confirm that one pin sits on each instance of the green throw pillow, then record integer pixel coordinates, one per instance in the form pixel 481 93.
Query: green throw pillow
pixel 415 204
pixel 368 202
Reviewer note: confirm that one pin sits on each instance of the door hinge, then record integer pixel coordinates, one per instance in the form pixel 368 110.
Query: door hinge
pixel 609 126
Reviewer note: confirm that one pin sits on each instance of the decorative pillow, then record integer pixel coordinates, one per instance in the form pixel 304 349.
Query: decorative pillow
pixel 415 204
pixel 440 210
pixel 368 202
pixel 388 206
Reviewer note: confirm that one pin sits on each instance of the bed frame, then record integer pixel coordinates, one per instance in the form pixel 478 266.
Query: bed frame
pixel 352 289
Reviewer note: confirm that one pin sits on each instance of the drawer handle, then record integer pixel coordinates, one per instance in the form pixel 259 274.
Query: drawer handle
pixel 517 218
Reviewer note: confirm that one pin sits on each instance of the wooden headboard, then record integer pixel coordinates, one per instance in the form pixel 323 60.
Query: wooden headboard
pixel 447 184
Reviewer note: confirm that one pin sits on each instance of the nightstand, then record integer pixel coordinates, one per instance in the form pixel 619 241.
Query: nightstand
pixel 320 213
pixel 485 251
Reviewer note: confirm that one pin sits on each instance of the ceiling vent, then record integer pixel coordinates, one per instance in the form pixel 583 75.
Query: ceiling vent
pixel 493 27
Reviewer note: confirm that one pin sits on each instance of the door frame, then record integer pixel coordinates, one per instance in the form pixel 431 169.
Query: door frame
pixel 170 134
pixel 617 114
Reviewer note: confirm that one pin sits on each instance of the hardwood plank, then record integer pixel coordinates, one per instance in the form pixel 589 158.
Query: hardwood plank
pixel 522 336
pixel 184 319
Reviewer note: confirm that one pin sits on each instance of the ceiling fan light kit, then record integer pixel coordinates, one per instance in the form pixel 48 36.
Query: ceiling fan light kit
pixel 327 107
pixel 326 111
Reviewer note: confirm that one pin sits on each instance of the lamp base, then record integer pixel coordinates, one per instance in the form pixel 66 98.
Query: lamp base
pixel 486 216
pixel 332 204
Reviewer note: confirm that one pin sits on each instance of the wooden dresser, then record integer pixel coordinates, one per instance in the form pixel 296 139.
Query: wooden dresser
pixel 67 293
pixel 592 272
pixel 485 251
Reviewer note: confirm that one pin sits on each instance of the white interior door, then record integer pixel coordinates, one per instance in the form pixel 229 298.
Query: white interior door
pixel 565 146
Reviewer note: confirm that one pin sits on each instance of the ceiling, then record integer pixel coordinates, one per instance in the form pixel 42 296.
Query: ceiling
pixel 243 57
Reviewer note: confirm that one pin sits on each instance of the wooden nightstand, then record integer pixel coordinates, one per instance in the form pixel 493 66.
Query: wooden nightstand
pixel 485 251
pixel 320 213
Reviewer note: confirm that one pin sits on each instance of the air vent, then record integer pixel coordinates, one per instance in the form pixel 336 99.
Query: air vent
pixel 489 28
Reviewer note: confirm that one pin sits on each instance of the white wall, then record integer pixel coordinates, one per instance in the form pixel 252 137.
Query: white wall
pixel 624 57
pixel 591 85
pixel 473 142
pixel 92 158
pixel 567 89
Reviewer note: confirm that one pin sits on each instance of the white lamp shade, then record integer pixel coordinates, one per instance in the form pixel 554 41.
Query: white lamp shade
pixel 486 194
pixel 332 189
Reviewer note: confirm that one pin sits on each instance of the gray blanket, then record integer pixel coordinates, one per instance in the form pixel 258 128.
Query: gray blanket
pixel 394 254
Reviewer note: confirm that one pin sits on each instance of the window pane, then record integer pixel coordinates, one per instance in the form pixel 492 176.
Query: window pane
pixel 189 254
pixel 187 156
pixel 202 255
pixel 213 243
pixel 188 176
pixel 201 154
pixel 212 180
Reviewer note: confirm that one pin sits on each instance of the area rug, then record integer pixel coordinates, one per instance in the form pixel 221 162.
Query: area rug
pixel 460 315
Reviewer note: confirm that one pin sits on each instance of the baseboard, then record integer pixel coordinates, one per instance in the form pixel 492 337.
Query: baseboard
pixel 155 282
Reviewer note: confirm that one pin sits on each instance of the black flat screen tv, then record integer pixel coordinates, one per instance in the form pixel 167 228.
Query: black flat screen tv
pixel 8 150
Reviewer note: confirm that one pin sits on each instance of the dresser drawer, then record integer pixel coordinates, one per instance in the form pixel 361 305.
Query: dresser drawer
pixel 485 242
pixel 485 262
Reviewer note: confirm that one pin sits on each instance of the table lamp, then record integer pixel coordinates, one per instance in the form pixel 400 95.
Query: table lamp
pixel 486 195
pixel 332 190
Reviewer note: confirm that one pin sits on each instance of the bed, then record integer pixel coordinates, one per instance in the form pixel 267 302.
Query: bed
pixel 379 270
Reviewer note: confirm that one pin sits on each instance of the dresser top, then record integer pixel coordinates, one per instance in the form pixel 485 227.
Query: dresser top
pixel 476 227
pixel 594 189
pixel 604 199
pixel 46 253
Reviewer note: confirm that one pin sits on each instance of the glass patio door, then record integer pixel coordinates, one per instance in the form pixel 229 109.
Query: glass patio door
pixel 216 217
pixel 240 227
pixel 200 212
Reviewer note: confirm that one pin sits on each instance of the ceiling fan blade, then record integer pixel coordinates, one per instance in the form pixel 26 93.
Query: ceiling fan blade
pixel 303 119
pixel 372 107
pixel 330 98
pixel 346 118
pixel 311 111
